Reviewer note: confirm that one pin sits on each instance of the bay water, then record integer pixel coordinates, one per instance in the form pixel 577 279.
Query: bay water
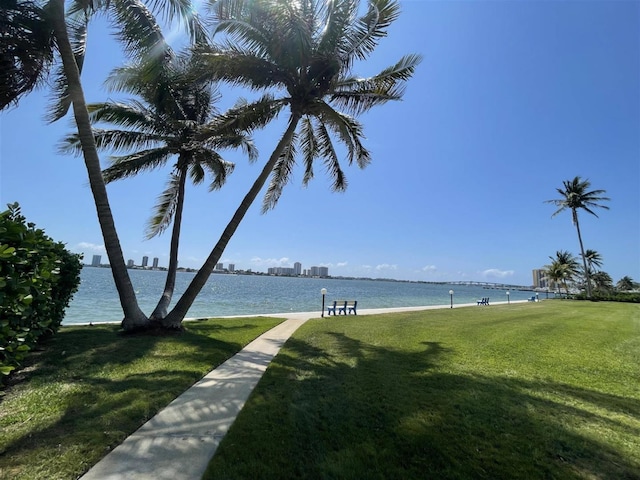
pixel 227 294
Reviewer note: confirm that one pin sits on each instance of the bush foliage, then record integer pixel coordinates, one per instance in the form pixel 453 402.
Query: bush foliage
pixel 612 296
pixel 38 278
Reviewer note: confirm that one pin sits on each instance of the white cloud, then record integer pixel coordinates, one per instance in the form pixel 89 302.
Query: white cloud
pixel 429 268
pixel 341 264
pixel 271 262
pixel 386 266
pixel 495 273
pixel 91 247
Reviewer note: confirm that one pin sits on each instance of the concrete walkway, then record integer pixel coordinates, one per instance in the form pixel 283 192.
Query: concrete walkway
pixel 179 441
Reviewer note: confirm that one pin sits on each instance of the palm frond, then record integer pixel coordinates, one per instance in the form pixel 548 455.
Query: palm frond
pixel 363 37
pixel 337 19
pixel 328 153
pixel 237 67
pixel 138 31
pixel 309 147
pixel 243 117
pixel 217 166
pixel 280 176
pixel 132 114
pixel 187 14
pixel 129 165
pixel 27 47
pixel 349 131
pixel 115 140
pixel 164 209
pixel 360 95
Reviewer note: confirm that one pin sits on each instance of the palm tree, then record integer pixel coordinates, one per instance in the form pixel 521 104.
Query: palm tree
pixel 576 196
pixel 593 259
pixel 175 119
pixel 139 33
pixel 306 49
pixel 562 269
pixel 625 284
pixel 26 49
pixel 602 281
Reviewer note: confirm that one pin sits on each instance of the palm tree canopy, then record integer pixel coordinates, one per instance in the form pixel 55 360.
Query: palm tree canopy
pixel 136 29
pixel 306 50
pixel 27 47
pixel 175 118
pixel 626 283
pixel 593 258
pixel 563 267
pixel 576 196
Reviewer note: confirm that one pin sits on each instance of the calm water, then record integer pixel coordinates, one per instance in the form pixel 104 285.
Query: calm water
pixel 225 295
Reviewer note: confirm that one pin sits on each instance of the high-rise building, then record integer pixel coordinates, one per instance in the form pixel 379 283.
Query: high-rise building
pixel 145 261
pixel 297 268
pixel 319 271
pixel 540 279
pixel 155 262
pixel 95 261
pixel 232 267
pixel 219 266
pixel 130 263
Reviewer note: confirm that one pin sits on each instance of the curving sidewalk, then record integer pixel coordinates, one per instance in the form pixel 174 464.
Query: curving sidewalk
pixel 179 441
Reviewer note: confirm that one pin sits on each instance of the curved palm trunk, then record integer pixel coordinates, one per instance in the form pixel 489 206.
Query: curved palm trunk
pixel 584 259
pixel 177 314
pixel 161 309
pixel 133 316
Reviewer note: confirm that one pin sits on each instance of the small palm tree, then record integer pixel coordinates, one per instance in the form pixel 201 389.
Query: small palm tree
pixel 594 259
pixel 305 50
pixel 625 284
pixel 174 120
pixel 26 48
pixel 602 281
pixel 575 195
pixel 563 269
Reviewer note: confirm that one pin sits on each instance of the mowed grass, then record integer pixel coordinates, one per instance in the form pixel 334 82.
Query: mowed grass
pixel 547 390
pixel 90 388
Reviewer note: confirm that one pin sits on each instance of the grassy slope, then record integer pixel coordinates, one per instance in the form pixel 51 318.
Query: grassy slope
pixel 544 390
pixel 90 388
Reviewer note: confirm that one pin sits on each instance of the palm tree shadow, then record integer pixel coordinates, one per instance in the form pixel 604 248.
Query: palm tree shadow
pixel 367 411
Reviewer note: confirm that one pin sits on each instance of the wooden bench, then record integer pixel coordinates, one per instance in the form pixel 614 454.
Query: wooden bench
pixel 484 301
pixel 343 307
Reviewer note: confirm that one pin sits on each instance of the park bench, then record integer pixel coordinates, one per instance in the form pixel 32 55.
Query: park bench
pixel 484 301
pixel 343 307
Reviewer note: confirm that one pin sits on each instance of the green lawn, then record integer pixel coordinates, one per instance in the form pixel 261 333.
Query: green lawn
pixel 521 391
pixel 90 388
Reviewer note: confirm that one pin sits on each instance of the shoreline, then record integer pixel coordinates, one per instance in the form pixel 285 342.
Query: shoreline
pixel 316 314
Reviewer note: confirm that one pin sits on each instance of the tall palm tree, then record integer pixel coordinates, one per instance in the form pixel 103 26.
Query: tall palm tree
pixel 139 33
pixel 563 269
pixel 306 50
pixel 27 48
pixel 175 120
pixel 575 195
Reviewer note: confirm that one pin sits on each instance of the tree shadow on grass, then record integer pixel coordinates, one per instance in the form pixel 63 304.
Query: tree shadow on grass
pixel 365 411
pixel 102 399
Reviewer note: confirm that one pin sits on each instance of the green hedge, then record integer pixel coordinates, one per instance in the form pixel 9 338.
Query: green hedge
pixel 630 297
pixel 38 278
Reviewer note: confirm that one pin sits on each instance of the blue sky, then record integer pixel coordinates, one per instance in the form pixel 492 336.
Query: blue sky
pixel 511 99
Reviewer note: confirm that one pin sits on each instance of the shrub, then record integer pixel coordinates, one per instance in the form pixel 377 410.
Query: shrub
pixel 630 297
pixel 38 278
